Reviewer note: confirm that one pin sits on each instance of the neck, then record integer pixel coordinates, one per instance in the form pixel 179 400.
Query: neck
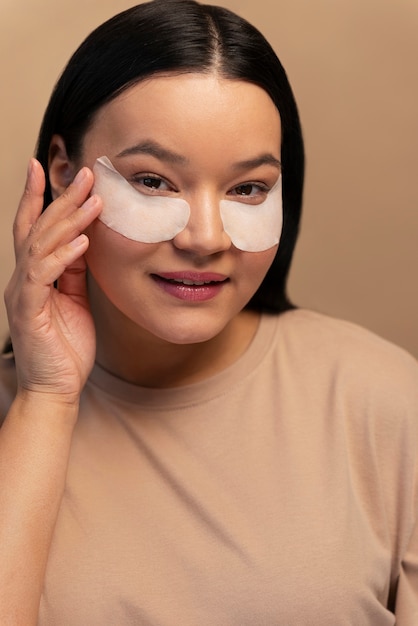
pixel 132 354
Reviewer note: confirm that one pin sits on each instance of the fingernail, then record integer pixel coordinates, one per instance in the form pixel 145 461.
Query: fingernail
pixel 78 241
pixel 80 176
pixel 90 203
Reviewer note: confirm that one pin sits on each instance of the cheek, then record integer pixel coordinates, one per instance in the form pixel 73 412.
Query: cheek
pixel 256 265
pixel 115 277
pixel 104 249
pixel 109 253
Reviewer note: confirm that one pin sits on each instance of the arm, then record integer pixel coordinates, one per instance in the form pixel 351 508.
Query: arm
pixel 34 447
pixel 54 346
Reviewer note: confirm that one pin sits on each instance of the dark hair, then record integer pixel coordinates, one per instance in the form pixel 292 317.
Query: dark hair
pixel 181 36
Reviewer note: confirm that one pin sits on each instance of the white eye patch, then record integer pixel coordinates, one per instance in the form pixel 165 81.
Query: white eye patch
pixel 151 219
pixel 254 227
pixel 135 215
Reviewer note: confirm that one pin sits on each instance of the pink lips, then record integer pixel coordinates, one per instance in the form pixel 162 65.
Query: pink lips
pixel 191 286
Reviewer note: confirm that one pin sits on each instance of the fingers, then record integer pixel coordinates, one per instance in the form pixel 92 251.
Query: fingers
pixel 44 240
pixel 31 203
pixel 29 287
pixel 72 198
pixel 52 330
pixel 72 281
pixel 47 270
pixel 31 224
pixel 49 245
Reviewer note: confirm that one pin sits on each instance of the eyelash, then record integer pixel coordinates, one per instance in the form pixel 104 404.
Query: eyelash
pixel 139 179
pixel 260 194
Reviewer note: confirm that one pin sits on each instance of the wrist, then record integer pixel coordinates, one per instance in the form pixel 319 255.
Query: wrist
pixel 56 406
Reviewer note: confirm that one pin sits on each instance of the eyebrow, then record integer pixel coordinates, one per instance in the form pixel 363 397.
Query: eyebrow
pixel 263 159
pixel 156 150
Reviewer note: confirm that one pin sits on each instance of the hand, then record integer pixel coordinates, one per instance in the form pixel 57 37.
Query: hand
pixel 52 328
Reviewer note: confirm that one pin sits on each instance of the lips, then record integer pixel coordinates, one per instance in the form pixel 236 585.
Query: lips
pixel 191 286
pixel 193 278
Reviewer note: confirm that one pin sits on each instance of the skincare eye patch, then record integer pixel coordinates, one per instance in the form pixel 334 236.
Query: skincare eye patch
pixel 135 215
pixel 254 227
pixel 151 219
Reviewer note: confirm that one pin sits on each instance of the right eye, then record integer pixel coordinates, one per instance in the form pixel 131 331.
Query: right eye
pixel 150 183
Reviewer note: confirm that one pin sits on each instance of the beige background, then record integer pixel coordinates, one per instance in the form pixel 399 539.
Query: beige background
pixel 353 66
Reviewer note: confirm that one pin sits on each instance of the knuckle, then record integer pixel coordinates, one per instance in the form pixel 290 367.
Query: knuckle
pixel 35 248
pixel 7 293
pixel 18 225
pixel 67 195
pixel 33 276
pixel 72 221
pixel 55 258
pixel 35 228
pixel 12 296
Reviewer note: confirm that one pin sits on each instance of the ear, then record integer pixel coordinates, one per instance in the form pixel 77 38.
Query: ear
pixel 61 170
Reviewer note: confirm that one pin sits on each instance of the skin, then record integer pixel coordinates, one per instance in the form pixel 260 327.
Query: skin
pixel 50 330
pixel 143 334
pixel 212 124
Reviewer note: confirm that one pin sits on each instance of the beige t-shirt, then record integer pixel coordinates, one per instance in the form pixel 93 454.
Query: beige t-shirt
pixel 282 491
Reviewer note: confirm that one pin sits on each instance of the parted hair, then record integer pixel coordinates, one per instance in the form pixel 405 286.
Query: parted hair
pixel 179 36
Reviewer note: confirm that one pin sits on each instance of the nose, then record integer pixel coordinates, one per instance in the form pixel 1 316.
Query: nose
pixel 204 233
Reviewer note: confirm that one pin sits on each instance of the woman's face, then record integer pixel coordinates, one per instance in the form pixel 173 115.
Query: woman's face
pixel 204 139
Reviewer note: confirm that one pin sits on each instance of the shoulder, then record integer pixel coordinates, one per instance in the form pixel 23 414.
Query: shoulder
pixel 355 383
pixel 327 339
pixel 340 353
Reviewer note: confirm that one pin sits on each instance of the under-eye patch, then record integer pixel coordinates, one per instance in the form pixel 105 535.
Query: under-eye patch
pixel 151 219
pixel 135 215
pixel 254 227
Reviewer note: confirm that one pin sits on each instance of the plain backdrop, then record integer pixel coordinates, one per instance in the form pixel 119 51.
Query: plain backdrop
pixel 353 68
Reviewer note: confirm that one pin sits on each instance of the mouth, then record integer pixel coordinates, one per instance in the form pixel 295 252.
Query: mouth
pixel 190 285
pixel 192 279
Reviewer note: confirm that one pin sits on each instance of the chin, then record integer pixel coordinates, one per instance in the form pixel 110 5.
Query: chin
pixel 187 334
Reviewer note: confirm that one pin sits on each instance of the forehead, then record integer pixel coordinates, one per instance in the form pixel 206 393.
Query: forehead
pixel 194 110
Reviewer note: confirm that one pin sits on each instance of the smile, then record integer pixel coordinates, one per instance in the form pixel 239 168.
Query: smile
pixel 190 277
pixel 185 281
pixel 191 286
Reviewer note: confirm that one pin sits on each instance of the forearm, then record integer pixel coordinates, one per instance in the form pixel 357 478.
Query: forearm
pixel 35 442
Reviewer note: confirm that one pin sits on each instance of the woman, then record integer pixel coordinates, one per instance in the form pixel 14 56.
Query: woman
pixel 180 444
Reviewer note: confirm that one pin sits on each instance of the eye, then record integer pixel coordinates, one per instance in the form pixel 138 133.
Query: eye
pixel 150 183
pixel 244 190
pixel 253 192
